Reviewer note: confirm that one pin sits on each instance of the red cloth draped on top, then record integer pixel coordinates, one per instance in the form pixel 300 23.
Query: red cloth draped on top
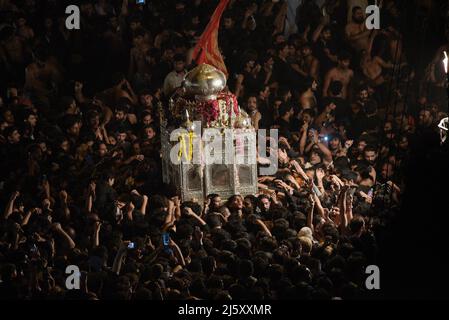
pixel 206 50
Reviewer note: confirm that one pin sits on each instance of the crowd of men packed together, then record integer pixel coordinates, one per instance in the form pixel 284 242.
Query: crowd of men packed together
pixel 81 183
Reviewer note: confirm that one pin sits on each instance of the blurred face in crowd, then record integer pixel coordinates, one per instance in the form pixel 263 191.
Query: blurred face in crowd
pixel 216 202
pixel 179 66
pixel 370 156
pixel 237 203
pixel 425 118
pixel 32 120
pixel 358 16
pixel 315 158
pixel 265 204
pixel 252 104
pixel 269 63
pixel 306 51
pixel 14 137
pixel 361 145
pixel 65 146
pixel 121 137
pixel 138 40
pixel 95 122
pixel 326 35
pixel 168 54
pixel 136 148
pixel 363 95
pixel 74 130
pixel 307 118
pixel 147 120
pixel 112 141
pixel 72 108
pixel 335 144
pixel 146 100
pixel 120 115
pixel 43 147
pixel 8 116
pixel 102 150
pixel 134 25
pixel 387 171
pixel 283 53
pixel 149 133
pixel 344 63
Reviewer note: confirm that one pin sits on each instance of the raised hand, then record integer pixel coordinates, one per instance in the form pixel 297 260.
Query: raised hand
pixel 320 174
pixel 15 195
pixel 63 195
pixel 348 144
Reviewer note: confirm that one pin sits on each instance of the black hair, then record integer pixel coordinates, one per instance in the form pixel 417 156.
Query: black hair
pixel 284 108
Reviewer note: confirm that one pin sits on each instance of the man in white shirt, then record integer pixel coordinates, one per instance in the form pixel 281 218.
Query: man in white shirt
pixel 174 79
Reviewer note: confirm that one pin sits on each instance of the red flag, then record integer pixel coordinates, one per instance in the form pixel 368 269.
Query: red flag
pixel 206 50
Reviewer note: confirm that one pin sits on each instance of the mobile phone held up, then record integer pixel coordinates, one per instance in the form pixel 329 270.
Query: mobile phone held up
pixel 166 239
pixel 131 245
pixel 140 1
pixel 166 242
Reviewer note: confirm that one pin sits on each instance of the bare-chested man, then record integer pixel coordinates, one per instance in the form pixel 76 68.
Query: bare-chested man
pixel 308 63
pixel 341 73
pixel 356 32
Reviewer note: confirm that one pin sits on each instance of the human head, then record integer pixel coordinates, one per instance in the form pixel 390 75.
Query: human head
pixel 120 113
pixel 283 50
pixel 149 132
pixel 344 60
pixel 286 110
pixel 358 16
pixel 335 142
pixel 326 34
pixel 387 171
pixel 370 154
pixel 102 149
pixel 146 99
pixel 12 134
pixel 147 118
pixel 235 202
pixel 264 203
pixel 315 157
pixel 425 117
pixel 31 119
pixel 363 93
pixel 215 201
pixel 307 116
pixel 252 103
pixel 306 50
pixel 179 63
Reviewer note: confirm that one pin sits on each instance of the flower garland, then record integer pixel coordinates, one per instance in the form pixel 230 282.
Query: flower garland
pixel 209 110
pixel 231 102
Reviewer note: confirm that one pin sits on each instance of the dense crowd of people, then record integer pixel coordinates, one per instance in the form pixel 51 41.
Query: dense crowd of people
pixel 80 160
